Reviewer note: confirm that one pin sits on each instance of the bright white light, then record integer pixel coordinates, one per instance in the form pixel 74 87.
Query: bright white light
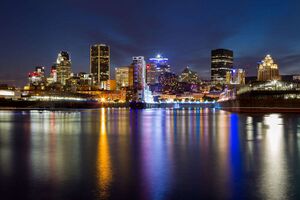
pixel 7 93
pixel 55 98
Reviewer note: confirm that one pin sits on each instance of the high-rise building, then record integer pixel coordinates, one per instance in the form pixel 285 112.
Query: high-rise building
pixel 40 70
pixel 80 82
pixel 156 67
pixel 221 62
pixel 139 72
pixel 168 82
pixel 53 75
pixel 63 67
pixel 151 77
pixel 141 90
pixel 111 85
pixel 267 70
pixel 100 64
pixel 235 76
pixel 124 77
pixel 37 78
pixel 189 76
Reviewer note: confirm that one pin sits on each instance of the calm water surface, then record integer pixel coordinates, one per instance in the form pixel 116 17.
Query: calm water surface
pixel 149 154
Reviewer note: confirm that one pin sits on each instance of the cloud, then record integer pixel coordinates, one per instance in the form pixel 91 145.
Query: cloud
pixel 289 64
pixel 185 32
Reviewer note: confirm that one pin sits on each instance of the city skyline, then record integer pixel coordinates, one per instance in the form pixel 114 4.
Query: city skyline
pixel 76 25
pixel 112 72
pixel 149 99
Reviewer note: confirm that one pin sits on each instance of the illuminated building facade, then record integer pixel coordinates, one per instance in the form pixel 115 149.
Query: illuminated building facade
pixel 268 70
pixel 124 77
pixel 142 92
pixel 235 76
pixel 53 75
pixel 156 67
pixel 168 82
pixel 189 76
pixel 151 77
pixel 111 85
pixel 139 72
pixel 37 78
pixel 63 67
pixel 221 62
pixel 100 64
pixel 80 81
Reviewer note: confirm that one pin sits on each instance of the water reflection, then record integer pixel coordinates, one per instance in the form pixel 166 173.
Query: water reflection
pixel 274 173
pixel 6 127
pixel 149 154
pixel 104 170
pixel 156 163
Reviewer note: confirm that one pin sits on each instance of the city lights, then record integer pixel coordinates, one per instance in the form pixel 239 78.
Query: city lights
pixel 149 100
pixel 142 84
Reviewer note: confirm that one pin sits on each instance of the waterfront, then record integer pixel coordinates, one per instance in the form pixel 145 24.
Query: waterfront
pixel 116 153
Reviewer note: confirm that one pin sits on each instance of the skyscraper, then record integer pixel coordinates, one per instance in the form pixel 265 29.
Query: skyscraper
pixel 155 68
pixel 37 78
pixel 53 73
pixel 235 76
pixel 100 64
pixel 189 76
pixel 151 77
pixel 221 62
pixel 124 76
pixel 140 88
pixel 139 72
pixel 63 67
pixel 267 70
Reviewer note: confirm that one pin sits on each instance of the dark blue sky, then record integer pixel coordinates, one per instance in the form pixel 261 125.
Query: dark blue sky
pixel 34 31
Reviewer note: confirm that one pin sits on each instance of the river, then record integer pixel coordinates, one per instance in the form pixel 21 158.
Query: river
pixel 148 154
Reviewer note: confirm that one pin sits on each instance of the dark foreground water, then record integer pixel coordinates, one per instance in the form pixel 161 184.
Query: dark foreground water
pixel 149 154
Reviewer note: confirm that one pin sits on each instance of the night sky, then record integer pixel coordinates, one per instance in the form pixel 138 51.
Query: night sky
pixel 33 32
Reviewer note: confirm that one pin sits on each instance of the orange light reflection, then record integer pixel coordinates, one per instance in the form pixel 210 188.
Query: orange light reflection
pixel 104 170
